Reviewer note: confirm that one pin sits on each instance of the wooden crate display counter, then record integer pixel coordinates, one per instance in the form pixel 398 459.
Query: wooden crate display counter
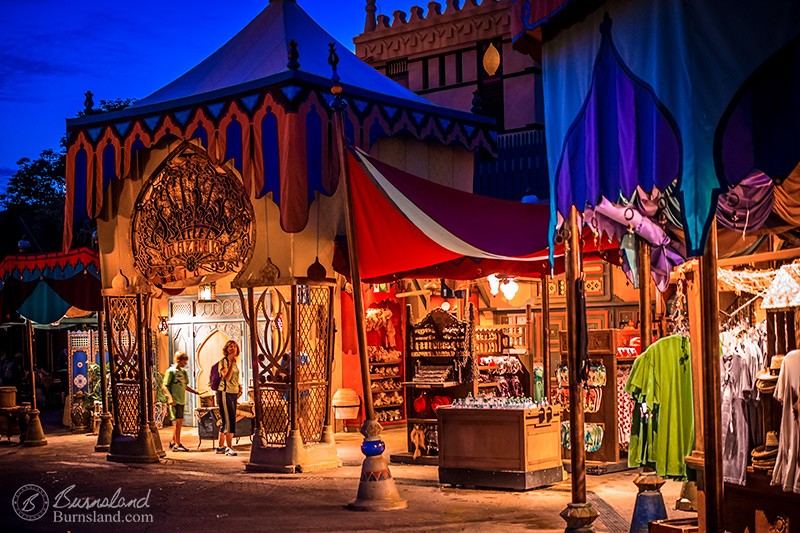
pixel 516 449
pixel 440 366
pixel 603 345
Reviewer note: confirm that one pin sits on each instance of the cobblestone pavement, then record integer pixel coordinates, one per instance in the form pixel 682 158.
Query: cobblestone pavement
pixel 203 491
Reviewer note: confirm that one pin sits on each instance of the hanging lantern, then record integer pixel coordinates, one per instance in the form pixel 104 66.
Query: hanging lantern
pixel 494 284
pixel 163 326
pixel 207 292
pixel 509 288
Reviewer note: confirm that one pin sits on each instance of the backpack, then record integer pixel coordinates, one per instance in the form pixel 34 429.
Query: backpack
pixel 214 377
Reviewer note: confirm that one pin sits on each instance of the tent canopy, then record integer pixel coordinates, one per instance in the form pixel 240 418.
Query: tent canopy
pixel 260 51
pixel 262 105
pixel 43 287
pixel 409 227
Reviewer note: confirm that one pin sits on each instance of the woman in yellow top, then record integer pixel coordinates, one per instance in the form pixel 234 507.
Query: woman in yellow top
pixel 228 393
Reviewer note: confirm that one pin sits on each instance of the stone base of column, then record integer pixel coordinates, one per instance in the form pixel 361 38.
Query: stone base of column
pixel 104 433
pixel 579 517
pixel 34 436
pixel 133 449
pixel 376 488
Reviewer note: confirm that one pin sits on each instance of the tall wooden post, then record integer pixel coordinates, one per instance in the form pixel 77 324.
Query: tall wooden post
pixel 545 334
pixel 376 489
pixel 645 293
pixel 712 445
pixel 106 427
pixel 34 435
pixel 579 514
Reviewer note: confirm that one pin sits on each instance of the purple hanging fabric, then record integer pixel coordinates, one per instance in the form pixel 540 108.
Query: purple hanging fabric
pixel 623 137
pixel 616 220
pixel 746 206
pixel 760 126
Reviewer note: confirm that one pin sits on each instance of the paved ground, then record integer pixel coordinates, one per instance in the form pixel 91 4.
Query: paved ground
pixel 202 491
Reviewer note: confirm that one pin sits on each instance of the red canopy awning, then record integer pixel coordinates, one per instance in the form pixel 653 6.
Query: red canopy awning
pixel 409 227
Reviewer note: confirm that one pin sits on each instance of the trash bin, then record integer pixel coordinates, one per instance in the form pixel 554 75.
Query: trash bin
pixel 346 404
pixel 8 396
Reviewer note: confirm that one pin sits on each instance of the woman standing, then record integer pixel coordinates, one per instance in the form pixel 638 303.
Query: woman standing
pixel 228 393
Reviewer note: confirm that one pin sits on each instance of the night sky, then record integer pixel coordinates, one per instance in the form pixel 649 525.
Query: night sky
pixel 53 51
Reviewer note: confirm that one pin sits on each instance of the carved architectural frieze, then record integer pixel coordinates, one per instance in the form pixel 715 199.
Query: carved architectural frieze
pixel 438 29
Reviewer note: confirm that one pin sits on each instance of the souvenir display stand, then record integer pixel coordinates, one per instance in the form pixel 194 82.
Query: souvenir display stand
pixel 609 347
pixel 500 448
pixel 384 325
pixel 757 506
pixel 504 362
pixel 440 366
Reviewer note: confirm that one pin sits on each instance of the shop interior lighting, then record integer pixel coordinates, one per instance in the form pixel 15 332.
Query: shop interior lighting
pixel 509 288
pixel 207 292
pixel 163 327
pixel 494 284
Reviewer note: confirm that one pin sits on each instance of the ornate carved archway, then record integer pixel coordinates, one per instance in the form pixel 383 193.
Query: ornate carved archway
pixel 192 218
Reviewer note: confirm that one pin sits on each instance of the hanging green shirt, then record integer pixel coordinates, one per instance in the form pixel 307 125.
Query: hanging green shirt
pixel 661 379
pixel 175 379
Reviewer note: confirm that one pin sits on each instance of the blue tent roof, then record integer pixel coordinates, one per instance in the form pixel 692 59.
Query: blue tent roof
pixel 260 50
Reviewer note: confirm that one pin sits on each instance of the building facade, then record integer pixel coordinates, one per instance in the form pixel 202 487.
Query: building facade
pixel 461 57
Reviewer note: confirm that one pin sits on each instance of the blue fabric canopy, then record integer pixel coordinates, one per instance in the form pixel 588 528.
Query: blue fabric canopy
pixel 43 287
pixel 260 50
pixel 642 93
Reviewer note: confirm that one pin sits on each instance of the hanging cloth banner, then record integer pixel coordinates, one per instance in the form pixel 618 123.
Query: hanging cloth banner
pixel 650 93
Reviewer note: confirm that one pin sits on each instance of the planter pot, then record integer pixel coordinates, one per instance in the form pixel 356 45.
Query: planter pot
pixel 79 416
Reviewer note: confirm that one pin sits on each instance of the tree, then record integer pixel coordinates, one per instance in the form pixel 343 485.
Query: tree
pixel 107 106
pixel 37 184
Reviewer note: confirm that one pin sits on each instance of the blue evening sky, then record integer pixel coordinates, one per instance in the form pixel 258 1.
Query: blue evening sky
pixel 53 51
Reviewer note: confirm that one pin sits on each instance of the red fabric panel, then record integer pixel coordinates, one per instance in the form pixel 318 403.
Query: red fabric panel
pixel 501 227
pixel 14 293
pixel 51 260
pixel 83 291
pixel 294 183
pixel 467 268
pixel 387 241
pixel 349 334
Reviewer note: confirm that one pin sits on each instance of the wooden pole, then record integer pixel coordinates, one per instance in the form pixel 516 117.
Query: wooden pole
pixel 375 493
pixel 579 514
pixel 31 355
pixel 102 362
pixel 574 269
pixel 712 446
pixel 545 333
pixel 355 271
pixel 645 293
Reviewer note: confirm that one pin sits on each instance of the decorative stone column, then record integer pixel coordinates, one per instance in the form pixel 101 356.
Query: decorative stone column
pixel 291 341
pixel 132 440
